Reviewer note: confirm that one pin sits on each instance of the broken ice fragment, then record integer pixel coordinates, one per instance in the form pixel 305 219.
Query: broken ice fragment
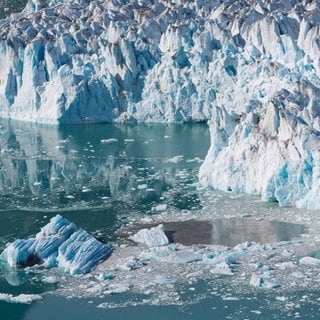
pixel 21 298
pixel 81 253
pixel 309 261
pixel 153 237
pixel 58 243
pixel 262 282
pixel 109 140
pixel 162 279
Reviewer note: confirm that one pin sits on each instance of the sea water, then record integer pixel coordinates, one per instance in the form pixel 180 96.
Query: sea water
pixel 107 178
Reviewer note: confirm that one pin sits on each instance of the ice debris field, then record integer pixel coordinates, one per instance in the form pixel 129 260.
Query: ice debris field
pixel 147 262
pixel 250 68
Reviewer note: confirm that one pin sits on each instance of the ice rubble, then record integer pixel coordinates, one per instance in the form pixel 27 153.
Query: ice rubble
pixel 58 243
pixel 21 298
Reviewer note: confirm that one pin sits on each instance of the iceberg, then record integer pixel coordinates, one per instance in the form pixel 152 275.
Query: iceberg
pixel 58 243
pixel 153 237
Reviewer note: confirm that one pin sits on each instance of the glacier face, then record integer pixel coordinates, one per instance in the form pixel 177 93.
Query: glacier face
pixel 58 243
pixel 95 61
pixel 250 67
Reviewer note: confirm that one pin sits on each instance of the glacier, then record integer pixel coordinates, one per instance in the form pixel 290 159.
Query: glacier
pixel 59 243
pixel 249 67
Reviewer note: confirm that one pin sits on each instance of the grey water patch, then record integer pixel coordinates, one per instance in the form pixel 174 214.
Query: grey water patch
pixel 11 6
pixel 229 232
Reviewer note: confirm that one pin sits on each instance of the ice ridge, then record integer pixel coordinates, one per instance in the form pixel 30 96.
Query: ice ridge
pixel 95 61
pixel 59 243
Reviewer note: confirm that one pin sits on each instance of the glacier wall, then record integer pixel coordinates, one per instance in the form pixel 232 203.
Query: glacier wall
pixel 95 61
pixel 250 67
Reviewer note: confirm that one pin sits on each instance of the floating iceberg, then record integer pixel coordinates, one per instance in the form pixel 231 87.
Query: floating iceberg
pixel 58 243
pixel 152 237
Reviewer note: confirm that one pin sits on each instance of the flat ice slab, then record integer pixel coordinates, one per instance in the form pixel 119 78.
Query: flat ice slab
pixel 59 243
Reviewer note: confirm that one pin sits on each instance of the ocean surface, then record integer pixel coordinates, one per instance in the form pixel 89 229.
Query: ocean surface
pixel 108 177
pixel 105 177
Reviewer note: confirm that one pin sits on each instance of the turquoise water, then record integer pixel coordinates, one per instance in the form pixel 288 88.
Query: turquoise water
pixel 101 177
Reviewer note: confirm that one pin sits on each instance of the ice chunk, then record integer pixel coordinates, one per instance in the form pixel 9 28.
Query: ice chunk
pixel 162 279
pixel 117 288
pixel 309 261
pixel 160 207
pixel 50 279
pixel 109 140
pixel 222 268
pixel 21 298
pixel 186 256
pixel 152 237
pixel 58 243
pixel 263 282
pixel 36 250
pixel 81 253
pixel 256 280
pixel 104 276
pixel 175 159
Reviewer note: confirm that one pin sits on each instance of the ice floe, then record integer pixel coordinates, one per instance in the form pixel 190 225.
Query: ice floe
pixel 21 298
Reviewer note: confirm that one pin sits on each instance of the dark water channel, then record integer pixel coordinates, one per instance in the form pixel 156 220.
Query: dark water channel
pixel 230 232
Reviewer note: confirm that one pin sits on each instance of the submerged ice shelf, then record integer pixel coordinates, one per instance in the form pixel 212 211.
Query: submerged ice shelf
pixel 249 67
pixel 59 243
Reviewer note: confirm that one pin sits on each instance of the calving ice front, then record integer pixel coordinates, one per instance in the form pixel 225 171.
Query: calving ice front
pixel 250 67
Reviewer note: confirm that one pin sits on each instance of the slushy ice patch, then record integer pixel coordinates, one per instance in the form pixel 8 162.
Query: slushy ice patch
pixel 59 243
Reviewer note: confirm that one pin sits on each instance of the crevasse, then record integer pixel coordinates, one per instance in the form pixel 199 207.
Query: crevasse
pixel 250 67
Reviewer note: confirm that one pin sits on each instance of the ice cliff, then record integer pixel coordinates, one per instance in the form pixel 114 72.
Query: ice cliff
pixel 58 243
pixel 250 67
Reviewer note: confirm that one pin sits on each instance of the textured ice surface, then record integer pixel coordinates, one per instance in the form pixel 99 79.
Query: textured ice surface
pixel 152 237
pixel 81 253
pixel 89 61
pixel 250 68
pixel 21 298
pixel 58 243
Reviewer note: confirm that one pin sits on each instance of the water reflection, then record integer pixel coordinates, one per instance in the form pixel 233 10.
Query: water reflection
pixel 230 232
pixel 48 166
